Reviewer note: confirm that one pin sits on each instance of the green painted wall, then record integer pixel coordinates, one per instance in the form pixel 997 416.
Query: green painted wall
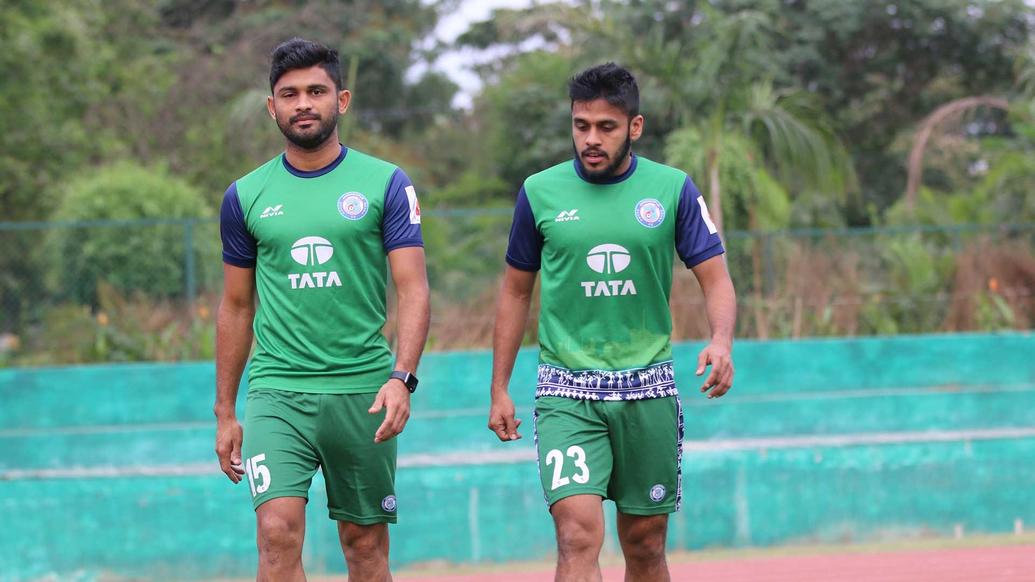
pixel 197 524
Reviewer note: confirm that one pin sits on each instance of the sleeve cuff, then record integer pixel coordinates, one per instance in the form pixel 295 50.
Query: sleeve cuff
pixel 521 265
pixel 704 256
pixel 401 244
pixel 238 262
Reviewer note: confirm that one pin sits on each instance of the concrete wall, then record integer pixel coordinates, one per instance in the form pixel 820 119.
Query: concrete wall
pixel 110 469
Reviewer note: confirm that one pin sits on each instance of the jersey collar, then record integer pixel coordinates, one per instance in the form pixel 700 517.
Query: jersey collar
pixel 315 173
pixel 611 180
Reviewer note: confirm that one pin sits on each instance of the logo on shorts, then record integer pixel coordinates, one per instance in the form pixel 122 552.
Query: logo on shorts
pixel 657 493
pixel 353 205
pixel 650 212
pixel 388 503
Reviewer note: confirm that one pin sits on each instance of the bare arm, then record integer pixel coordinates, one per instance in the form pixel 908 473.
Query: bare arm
pixel 233 343
pixel 511 318
pixel 410 276
pixel 721 305
pixel 414 304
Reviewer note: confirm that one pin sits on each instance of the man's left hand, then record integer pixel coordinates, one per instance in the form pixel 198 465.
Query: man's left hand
pixel 719 381
pixel 395 398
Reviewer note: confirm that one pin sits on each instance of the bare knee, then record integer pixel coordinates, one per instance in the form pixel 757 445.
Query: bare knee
pixel 364 543
pixel 643 538
pixel 280 536
pixel 579 533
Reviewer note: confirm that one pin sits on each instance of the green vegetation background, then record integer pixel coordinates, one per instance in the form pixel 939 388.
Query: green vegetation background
pixel 788 114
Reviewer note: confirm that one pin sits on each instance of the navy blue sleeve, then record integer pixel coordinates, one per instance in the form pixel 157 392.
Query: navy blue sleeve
pixel 400 224
pixel 525 249
pixel 697 239
pixel 239 246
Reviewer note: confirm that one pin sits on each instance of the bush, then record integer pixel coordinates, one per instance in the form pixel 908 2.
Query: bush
pixel 147 259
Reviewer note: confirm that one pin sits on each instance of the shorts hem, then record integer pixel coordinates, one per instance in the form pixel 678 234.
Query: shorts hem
pixel 572 492
pixel 303 494
pixel 365 520
pixel 655 510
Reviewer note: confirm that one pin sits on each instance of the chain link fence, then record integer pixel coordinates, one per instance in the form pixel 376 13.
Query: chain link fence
pixel 148 289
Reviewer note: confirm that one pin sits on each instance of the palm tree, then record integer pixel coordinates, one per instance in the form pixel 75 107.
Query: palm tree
pixel 715 81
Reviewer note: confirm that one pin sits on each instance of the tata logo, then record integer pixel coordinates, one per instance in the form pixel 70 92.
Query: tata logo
pixel 608 259
pixel 312 251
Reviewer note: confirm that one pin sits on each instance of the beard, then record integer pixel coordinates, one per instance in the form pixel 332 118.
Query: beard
pixel 612 167
pixel 312 138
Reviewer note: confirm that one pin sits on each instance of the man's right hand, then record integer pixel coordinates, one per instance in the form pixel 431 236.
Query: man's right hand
pixel 228 448
pixel 501 418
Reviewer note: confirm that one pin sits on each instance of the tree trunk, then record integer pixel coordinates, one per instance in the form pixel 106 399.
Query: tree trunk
pixel 714 190
pixel 951 110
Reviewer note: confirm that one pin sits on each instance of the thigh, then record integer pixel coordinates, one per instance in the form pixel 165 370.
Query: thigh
pixel 646 436
pixel 573 448
pixel 360 473
pixel 279 457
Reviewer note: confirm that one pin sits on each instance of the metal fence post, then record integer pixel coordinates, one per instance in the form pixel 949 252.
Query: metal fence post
pixel 188 263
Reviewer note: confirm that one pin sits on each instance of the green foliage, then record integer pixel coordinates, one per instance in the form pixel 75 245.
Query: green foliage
pixel 529 116
pixel 147 260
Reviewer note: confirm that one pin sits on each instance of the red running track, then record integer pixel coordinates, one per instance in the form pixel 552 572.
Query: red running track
pixel 993 564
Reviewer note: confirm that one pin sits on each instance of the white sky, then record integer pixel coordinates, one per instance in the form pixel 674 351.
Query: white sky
pixel 453 64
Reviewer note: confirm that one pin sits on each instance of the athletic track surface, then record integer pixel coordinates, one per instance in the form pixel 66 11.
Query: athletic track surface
pixel 984 564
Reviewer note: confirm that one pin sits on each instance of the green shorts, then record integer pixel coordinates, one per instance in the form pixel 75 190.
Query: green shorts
pixel 627 451
pixel 288 435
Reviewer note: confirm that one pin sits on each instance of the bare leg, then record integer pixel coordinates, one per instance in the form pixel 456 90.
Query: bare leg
pixel 579 521
pixel 366 551
pixel 643 543
pixel 280 532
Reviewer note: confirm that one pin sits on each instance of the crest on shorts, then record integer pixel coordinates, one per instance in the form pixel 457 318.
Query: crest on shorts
pixel 657 493
pixel 353 205
pixel 388 503
pixel 650 212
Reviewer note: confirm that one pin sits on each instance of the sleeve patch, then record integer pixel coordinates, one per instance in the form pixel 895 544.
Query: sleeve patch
pixel 411 197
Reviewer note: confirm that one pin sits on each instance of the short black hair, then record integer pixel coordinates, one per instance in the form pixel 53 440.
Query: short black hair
pixel 608 81
pixel 299 53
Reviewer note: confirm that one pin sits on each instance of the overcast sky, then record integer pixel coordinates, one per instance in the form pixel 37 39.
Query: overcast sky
pixel 451 26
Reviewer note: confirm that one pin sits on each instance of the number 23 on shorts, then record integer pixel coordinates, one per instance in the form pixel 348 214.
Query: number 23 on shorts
pixel 575 463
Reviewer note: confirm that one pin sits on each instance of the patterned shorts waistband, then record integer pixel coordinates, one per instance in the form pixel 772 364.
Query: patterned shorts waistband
pixel 657 381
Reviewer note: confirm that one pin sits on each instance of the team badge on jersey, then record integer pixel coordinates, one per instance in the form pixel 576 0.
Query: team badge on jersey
pixel 650 212
pixel 353 205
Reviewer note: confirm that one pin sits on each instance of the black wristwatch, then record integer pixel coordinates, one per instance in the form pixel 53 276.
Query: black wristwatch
pixel 407 378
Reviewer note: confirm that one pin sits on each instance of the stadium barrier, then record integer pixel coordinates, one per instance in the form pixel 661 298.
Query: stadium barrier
pixel 108 471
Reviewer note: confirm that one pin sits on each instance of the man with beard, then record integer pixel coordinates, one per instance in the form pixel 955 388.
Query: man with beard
pixel 309 232
pixel 608 423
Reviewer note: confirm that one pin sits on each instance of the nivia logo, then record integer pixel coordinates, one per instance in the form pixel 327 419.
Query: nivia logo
pixel 567 215
pixel 311 251
pixel 657 493
pixel 277 210
pixel 608 259
pixel 389 503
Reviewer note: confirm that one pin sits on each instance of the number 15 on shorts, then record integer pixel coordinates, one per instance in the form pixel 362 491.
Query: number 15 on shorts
pixel 575 463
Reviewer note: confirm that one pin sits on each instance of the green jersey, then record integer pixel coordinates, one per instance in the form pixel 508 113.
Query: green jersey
pixel 318 243
pixel 606 250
